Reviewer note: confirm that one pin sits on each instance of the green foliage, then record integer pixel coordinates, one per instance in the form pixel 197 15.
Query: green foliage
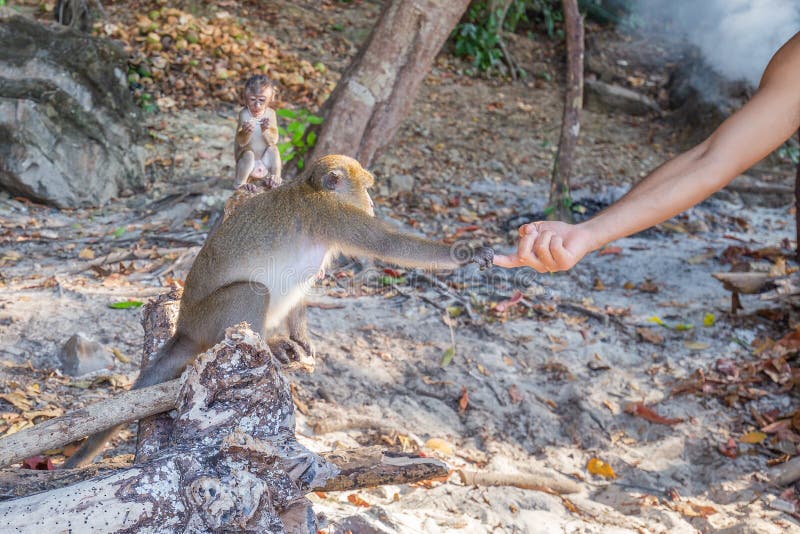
pixel 790 152
pixel 299 139
pixel 478 35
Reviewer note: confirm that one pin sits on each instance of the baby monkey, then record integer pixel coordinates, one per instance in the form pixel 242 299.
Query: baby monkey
pixel 261 261
pixel 256 144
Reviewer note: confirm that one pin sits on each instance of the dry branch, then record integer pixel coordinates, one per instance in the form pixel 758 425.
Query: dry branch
pixel 532 481
pixel 59 431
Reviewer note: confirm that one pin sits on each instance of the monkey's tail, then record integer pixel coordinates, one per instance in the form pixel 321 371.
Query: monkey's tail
pixel 166 365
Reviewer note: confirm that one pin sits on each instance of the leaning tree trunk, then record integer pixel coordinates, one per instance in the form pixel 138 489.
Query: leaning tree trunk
pixel 560 201
pixel 377 89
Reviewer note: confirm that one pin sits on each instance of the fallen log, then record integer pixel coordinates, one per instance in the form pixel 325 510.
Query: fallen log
pixel 232 462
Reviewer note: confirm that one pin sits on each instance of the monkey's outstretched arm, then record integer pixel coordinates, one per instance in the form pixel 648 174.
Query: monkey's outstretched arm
pixel 365 235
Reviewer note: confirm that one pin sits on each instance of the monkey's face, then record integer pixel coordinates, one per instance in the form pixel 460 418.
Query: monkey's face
pixel 257 102
pixel 346 178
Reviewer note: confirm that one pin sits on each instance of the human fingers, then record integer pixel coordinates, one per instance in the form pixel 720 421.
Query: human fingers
pixel 541 248
pixel 564 259
pixel 509 261
pixel 527 255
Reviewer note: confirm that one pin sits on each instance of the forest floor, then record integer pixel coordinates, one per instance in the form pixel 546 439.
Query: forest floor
pixel 515 372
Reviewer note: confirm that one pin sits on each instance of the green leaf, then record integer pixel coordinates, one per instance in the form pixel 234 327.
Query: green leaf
pixel 709 319
pixel 389 280
pixel 657 320
pixel 447 357
pixel 683 326
pixel 454 311
pixel 300 164
pixel 125 304
pixel 311 139
pixel 313 119
pixel 118 232
pixel 286 113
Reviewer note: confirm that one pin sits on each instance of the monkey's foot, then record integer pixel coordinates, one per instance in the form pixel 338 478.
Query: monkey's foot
pixel 272 181
pixel 483 256
pixel 249 188
pixel 292 353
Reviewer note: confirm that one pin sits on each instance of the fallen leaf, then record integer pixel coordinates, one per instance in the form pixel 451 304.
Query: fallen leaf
pixel 695 345
pixel 86 254
pixel 753 437
pixel 729 448
pixel 657 320
pixel 17 399
pixel 650 335
pixel 599 467
pixel 709 319
pixel 598 285
pixel 358 501
pixel 505 305
pixel 640 410
pixel 690 509
pixel 463 401
pixel 514 393
pixel 447 357
pixel 439 445
pixel 125 304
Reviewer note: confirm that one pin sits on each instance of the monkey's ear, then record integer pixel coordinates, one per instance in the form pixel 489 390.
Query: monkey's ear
pixel 331 180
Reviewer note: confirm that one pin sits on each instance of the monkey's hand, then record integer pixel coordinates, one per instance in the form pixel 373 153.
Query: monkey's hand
pixel 483 256
pixel 264 123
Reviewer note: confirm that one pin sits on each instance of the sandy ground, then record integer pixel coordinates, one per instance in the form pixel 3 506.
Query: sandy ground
pixel 548 382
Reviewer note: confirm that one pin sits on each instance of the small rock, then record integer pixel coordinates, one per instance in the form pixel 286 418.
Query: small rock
pixel 401 183
pixel 81 355
pixel 604 97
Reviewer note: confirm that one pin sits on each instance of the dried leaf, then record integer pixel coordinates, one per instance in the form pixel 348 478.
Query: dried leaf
pixel 640 410
pixel 440 446
pixel 17 399
pixel 729 448
pixel 695 345
pixel 515 394
pixel 357 501
pixel 753 437
pixel 463 401
pixel 649 335
pixel 86 254
pixel 690 509
pixel 599 467
pixel 505 305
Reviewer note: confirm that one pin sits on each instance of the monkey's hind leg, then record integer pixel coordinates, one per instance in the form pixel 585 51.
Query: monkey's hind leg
pixel 272 161
pixel 244 167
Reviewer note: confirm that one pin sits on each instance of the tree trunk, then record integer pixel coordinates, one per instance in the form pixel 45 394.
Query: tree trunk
pixel 232 463
pixel 378 88
pixel 560 205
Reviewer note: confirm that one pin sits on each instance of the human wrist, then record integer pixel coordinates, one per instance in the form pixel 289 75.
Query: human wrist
pixel 595 233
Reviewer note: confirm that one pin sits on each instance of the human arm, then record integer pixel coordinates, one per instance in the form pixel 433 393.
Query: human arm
pixel 746 137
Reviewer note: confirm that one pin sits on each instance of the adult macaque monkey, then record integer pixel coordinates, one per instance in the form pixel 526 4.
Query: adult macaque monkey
pixel 258 265
pixel 256 143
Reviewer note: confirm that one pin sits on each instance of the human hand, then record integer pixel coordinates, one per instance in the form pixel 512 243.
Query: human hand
pixel 548 246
